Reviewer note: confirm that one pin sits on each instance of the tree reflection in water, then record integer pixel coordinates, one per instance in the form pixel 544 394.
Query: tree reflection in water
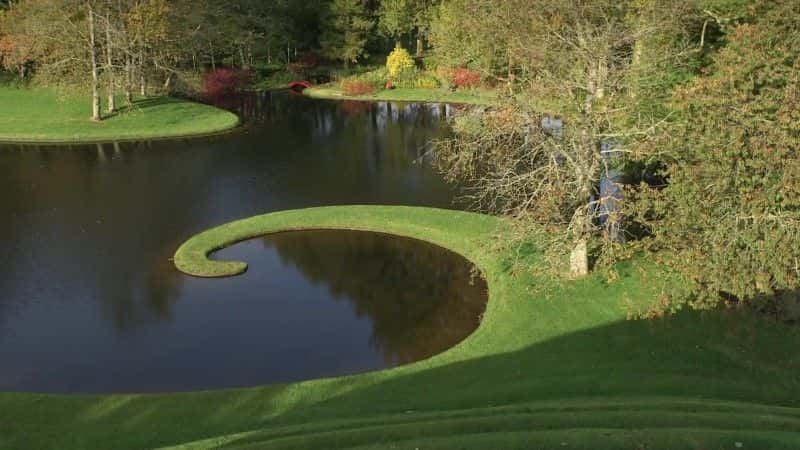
pixel 421 299
pixel 89 232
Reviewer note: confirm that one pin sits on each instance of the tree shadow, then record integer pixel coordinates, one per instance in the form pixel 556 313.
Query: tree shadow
pixel 141 104
pixel 695 376
pixel 720 370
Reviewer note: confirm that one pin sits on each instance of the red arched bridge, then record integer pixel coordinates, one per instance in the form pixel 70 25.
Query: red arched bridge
pixel 299 85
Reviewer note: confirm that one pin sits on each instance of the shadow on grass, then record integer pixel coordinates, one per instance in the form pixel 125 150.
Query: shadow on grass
pixel 140 104
pixel 720 371
pixel 714 372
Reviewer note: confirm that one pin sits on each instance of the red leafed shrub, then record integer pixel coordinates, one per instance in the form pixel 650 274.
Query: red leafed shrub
pixel 465 78
pixel 358 88
pixel 226 81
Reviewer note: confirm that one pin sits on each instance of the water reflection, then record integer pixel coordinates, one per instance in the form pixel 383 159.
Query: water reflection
pixel 421 299
pixel 88 231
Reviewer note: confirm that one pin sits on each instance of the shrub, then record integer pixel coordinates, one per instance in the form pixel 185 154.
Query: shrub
pixel 464 78
pixel 226 80
pixel 376 77
pixel 356 88
pixel 443 77
pixel 426 81
pixel 399 62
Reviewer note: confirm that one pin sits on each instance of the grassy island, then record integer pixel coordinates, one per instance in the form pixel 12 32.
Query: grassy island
pixel 44 115
pixel 331 91
pixel 563 370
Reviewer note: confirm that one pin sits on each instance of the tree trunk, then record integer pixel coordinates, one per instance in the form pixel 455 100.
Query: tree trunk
pixel 703 34
pixel 93 57
pixel 112 107
pixel 167 82
pixel 579 260
pixel 602 76
pixel 510 75
pixel 242 58
pixel 128 81
pixel 213 60
pixel 419 46
pixel 142 79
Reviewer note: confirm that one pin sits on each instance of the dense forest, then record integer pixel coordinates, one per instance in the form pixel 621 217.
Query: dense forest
pixel 129 43
pixel 670 127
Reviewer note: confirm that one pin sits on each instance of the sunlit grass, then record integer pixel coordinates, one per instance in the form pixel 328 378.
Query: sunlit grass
pixel 50 115
pixel 479 97
pixel 565 370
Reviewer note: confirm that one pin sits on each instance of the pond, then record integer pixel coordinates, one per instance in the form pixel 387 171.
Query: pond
pixel 91 301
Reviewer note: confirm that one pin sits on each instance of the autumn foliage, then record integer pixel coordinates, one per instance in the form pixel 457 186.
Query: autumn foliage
pixel 225 81
pixel 399 62
pixel 463 78
pixel 355 88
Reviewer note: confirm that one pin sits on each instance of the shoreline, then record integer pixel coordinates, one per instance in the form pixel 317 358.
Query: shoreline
pixel 47 117
pixel 410 95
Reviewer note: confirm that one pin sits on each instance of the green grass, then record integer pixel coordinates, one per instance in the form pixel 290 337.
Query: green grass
pixel 48 115
pixel 477 97
pixel 563 370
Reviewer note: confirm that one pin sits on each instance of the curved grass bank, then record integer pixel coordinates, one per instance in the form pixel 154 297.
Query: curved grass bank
pixel 330 91
pixel 565 370
pixel 42 115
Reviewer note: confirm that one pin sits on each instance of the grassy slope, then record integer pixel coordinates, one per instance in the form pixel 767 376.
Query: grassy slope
pixel 45 115
pixel 566 371
pixel 407 94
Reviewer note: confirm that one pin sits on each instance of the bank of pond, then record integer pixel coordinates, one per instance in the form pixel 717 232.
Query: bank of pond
pixel 398 322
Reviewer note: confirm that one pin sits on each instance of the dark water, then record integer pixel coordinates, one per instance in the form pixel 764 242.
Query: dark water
pixel 90 301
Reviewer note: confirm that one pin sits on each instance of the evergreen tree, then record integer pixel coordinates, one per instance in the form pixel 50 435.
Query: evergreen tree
pixel 346 28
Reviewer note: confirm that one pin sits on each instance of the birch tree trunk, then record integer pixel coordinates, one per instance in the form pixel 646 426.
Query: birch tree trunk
pixel 579 260
pixel 128 81
pixel 213 60
pixel 242 58
pixel 142 79
pixel 93 60
pixel 111 107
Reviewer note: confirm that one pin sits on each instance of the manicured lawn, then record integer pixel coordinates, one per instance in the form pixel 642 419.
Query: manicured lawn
pixel 47 115
pixel 332 91
pixel 564 370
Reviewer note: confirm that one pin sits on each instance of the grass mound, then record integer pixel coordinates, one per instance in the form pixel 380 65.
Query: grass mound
pixel 561 371
pixel 46 115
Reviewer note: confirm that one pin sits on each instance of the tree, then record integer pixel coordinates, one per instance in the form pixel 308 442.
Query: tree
pixel 399 18
pixel 347 24
pixel 556 152
pixel 17 49
pixel 149 30
pixel 728 222
pixel 91 19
